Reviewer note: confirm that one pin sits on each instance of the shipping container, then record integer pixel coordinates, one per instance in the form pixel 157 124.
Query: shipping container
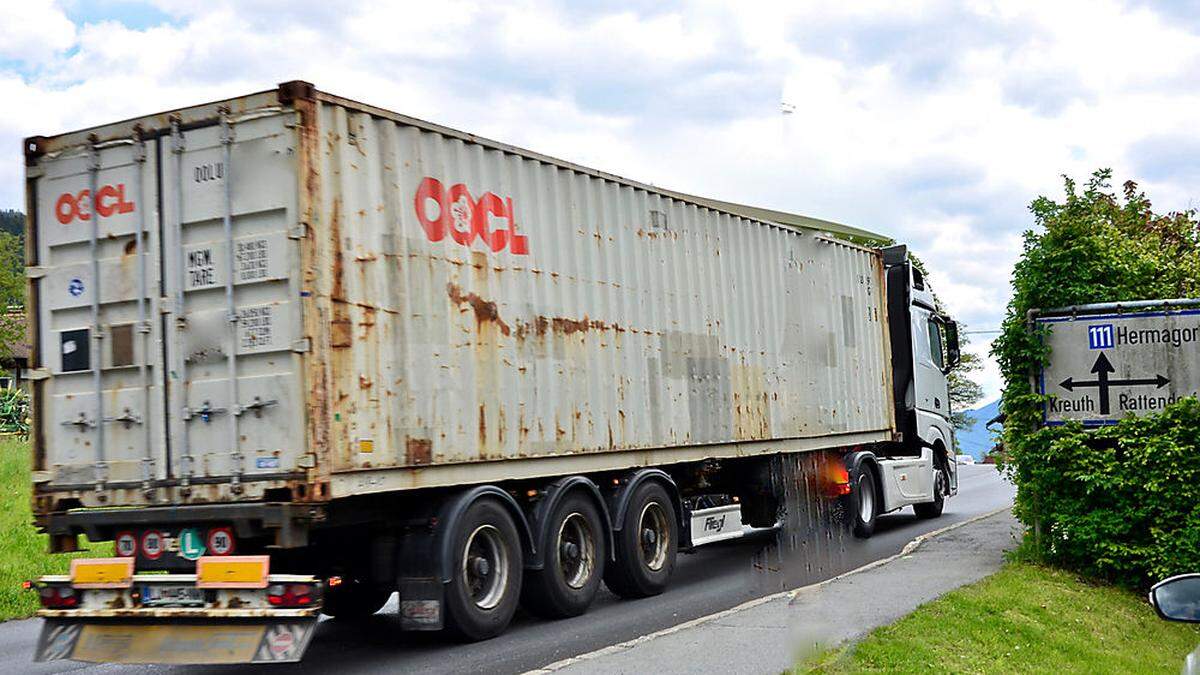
pixel 415 307
pixel 274 303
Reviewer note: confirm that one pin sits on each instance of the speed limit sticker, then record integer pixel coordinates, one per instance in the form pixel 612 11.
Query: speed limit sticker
pixel 126 544
pixel 152 544
pixel 220 541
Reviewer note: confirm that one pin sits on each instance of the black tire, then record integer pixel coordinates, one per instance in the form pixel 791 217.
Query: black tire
pixel 483 593
pixel 576 549
pixel 934 509
pixel 864 503
pixel 640 571
pixel 353 600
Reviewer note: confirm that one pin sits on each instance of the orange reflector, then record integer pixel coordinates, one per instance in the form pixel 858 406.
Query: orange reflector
pixel 232 571
pixel 102 572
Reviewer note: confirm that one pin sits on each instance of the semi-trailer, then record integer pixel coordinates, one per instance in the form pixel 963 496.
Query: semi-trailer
pixel 293 353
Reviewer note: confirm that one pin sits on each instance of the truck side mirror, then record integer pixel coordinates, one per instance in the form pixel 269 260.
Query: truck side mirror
pixel 953 355
pixel 1177 598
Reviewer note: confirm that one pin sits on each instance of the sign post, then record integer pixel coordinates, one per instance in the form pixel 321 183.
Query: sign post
pixel 1105 365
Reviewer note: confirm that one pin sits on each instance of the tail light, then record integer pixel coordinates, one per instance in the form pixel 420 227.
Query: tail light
pixel 837 480
pixel 59 597
pixel 291 595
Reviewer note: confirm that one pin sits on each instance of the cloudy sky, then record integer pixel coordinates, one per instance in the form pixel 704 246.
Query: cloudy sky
pixel 935 122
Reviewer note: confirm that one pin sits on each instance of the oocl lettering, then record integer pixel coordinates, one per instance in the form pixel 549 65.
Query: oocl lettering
pixel 110 201
pixel 465 218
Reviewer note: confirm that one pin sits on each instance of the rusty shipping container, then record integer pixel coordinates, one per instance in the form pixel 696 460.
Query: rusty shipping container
pixel 290 295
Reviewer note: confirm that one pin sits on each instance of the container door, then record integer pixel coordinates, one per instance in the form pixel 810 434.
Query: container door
pixel 232 289
pixel 95 288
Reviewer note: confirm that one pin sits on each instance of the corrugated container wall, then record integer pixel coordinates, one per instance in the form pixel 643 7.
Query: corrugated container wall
pixel 418 307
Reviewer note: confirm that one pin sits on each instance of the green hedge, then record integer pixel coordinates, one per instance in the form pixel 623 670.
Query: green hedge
pixel 1121 502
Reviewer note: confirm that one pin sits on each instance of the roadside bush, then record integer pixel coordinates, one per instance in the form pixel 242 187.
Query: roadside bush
pixel 14 412
pixel 1121 502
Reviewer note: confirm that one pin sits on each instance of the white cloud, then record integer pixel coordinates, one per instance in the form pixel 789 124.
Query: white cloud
pixel 33 31
pixel 934 122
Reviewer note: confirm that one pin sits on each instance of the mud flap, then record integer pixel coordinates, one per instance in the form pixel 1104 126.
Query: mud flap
pixel 177 642
pixel 420 604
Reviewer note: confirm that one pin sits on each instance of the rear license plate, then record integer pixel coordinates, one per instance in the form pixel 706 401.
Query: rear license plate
pixel 172 596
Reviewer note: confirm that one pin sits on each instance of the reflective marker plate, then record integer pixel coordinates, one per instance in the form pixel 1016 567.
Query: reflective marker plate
pixel 102 572
pixel 234 571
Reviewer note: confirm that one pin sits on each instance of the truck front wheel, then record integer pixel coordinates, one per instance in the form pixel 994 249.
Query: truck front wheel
pixel 866 507
pixel 646 545
pixel 575 553
pixel 482 596
pixel 934 509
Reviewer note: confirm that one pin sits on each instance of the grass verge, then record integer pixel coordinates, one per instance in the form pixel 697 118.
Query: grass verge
pixel 1023 619
pixel 22 550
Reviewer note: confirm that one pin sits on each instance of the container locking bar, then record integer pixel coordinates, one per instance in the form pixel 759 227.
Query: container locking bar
pixel 143 324
pixel 235 453
pixel 186 460
pixel 100 468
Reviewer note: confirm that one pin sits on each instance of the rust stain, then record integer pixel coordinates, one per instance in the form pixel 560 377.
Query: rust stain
pixel 485 310
pixel 482 429
pixel 563 326
pixel 342 334
pixel 418 451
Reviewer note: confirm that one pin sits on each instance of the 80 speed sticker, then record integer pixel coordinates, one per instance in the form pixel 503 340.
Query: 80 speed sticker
pixel 152 544
pixel 126 545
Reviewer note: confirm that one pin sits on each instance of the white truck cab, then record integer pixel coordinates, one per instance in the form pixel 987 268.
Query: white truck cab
pixel 921 470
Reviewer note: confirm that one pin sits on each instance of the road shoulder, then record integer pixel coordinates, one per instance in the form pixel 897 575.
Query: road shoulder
pixel 770 634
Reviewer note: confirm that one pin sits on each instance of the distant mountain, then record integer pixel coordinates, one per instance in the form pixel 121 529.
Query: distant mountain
pixel 978 440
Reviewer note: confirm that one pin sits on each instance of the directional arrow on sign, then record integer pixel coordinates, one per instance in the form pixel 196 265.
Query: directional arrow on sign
pixel 1102 368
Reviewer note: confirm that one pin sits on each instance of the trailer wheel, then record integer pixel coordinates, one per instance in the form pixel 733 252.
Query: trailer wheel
pixel 866 506
pixel 934 509
pixel 575 554
pixel 353 600
pixel 483 593
pixel 645 546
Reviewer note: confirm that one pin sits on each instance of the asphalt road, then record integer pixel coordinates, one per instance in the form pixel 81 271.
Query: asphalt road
pixel 710 580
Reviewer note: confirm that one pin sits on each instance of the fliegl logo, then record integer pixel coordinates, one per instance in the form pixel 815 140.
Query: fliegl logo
pixel 110 201
pixel 454 211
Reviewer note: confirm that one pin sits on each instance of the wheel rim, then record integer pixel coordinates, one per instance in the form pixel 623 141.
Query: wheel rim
pixel 866 499
pixel 654 536
pixel 485 566
pixel 939 485
pixel 576 550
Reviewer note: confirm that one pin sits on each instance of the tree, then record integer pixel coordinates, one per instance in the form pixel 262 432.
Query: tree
pixel 1118 502
pixel 964 391
pixel 12 280
pixel 12 222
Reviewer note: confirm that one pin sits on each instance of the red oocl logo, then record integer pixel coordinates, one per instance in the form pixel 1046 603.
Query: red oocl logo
pixel 465 218
pixel 110 201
